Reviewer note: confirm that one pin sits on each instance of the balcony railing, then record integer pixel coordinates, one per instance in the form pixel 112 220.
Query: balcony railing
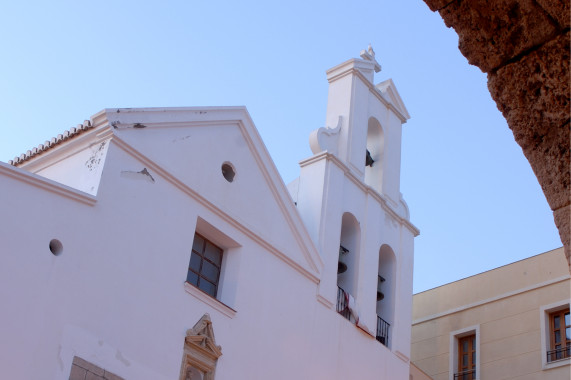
pixel 558 354
pixel 466 375
pixel 343 303
pixel 383 331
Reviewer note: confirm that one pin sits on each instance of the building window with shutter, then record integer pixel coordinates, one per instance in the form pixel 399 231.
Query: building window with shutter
pixel 559 335
pixel 466 358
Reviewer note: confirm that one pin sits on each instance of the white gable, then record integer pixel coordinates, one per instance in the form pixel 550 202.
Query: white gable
pixel 190 145
pixel 390 93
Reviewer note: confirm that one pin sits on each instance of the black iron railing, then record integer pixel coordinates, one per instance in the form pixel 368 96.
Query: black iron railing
pixel 343 303
pixel 558 354
pixel 466 375
pixel 383 331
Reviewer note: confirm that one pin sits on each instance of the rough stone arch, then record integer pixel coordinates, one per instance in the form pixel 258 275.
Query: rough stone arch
pixel 523 46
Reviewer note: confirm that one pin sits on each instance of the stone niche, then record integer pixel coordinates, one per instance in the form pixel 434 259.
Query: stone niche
pixel 200 352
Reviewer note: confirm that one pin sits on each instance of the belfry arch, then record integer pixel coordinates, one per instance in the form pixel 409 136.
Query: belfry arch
pixel 374 156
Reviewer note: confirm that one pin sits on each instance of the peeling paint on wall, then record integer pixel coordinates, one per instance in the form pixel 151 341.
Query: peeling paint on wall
pixel 142 174
pixel 116 124
pixel 95 159
pixel 119 356
pixel 181 138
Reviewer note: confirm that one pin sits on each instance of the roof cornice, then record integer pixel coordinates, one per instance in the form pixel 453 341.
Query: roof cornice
pixel 234 222
pixel 46 184
pixel 385 204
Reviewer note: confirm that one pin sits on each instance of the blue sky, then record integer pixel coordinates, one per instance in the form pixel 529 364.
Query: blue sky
pixel 470 190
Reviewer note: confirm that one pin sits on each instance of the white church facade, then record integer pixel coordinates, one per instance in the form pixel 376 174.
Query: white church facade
pixel 162 243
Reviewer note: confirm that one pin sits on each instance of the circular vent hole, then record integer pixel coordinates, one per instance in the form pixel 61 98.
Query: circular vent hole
pixel 56 247
pixel 228 171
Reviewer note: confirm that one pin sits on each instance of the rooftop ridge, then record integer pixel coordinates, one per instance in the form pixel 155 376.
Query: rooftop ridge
pixel 49 144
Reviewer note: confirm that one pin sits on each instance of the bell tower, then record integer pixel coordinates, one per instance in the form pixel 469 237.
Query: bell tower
pixel 348 195
pixel 364 124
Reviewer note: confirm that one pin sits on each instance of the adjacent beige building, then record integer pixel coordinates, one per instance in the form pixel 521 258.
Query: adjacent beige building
pixel 510 322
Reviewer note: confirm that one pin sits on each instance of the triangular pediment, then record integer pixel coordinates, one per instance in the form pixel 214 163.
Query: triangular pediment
pixel 390 93
pixel 188 147
pixel 201 337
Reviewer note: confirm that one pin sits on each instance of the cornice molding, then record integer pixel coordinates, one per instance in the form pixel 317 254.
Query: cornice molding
pixel 235 223
pixel 46 184
pixel 239 116
pixel 325 302
pixel 281 194
pixel 364 187
pixel 491 299
pixel 372 89
pixel 402 356
pixel 66 149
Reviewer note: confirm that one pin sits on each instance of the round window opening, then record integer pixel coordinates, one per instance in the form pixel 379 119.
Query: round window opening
pixel 228 172
pixel 56 247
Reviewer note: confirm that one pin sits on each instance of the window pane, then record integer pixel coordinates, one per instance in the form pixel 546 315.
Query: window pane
pixel 195 262
pixel 464 360
pixel 557 336
pixel 465 345
pixel 568 333
pixel 192 278
pixel 209 271
pixel 556 322
pixel 473 358
pixel 474 344
pixel 567 322
pixel 207 287
pixel 198 243
pixel 213 253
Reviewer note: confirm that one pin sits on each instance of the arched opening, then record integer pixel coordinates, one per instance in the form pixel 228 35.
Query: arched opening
pixel 385 293
pixel 374 155
pixel 348 264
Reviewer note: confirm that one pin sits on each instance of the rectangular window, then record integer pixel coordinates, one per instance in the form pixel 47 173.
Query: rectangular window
pixel 560 335
pixel 204 266
pixel 466 358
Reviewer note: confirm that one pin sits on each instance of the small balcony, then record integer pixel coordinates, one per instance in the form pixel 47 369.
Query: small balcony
pixel 466 375
pixel 343 304
pixel 559 354
pixel 383 331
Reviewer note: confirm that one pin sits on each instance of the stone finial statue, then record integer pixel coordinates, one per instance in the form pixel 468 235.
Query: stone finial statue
pixel 369 55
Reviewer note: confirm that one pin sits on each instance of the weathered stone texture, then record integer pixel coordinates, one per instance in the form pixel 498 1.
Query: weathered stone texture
pixel 559 10
pixel 87 366
pixel 563 222
pixel 83 370
pixel 524 46
pixel 436 5
pixel 77 373
pixel 533 96
pixel 492 32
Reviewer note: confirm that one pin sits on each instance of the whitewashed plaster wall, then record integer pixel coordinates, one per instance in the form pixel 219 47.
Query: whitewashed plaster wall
pixel 116 294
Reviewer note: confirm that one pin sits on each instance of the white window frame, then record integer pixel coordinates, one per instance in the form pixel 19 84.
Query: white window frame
pixel 544 312
pixel 453 360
